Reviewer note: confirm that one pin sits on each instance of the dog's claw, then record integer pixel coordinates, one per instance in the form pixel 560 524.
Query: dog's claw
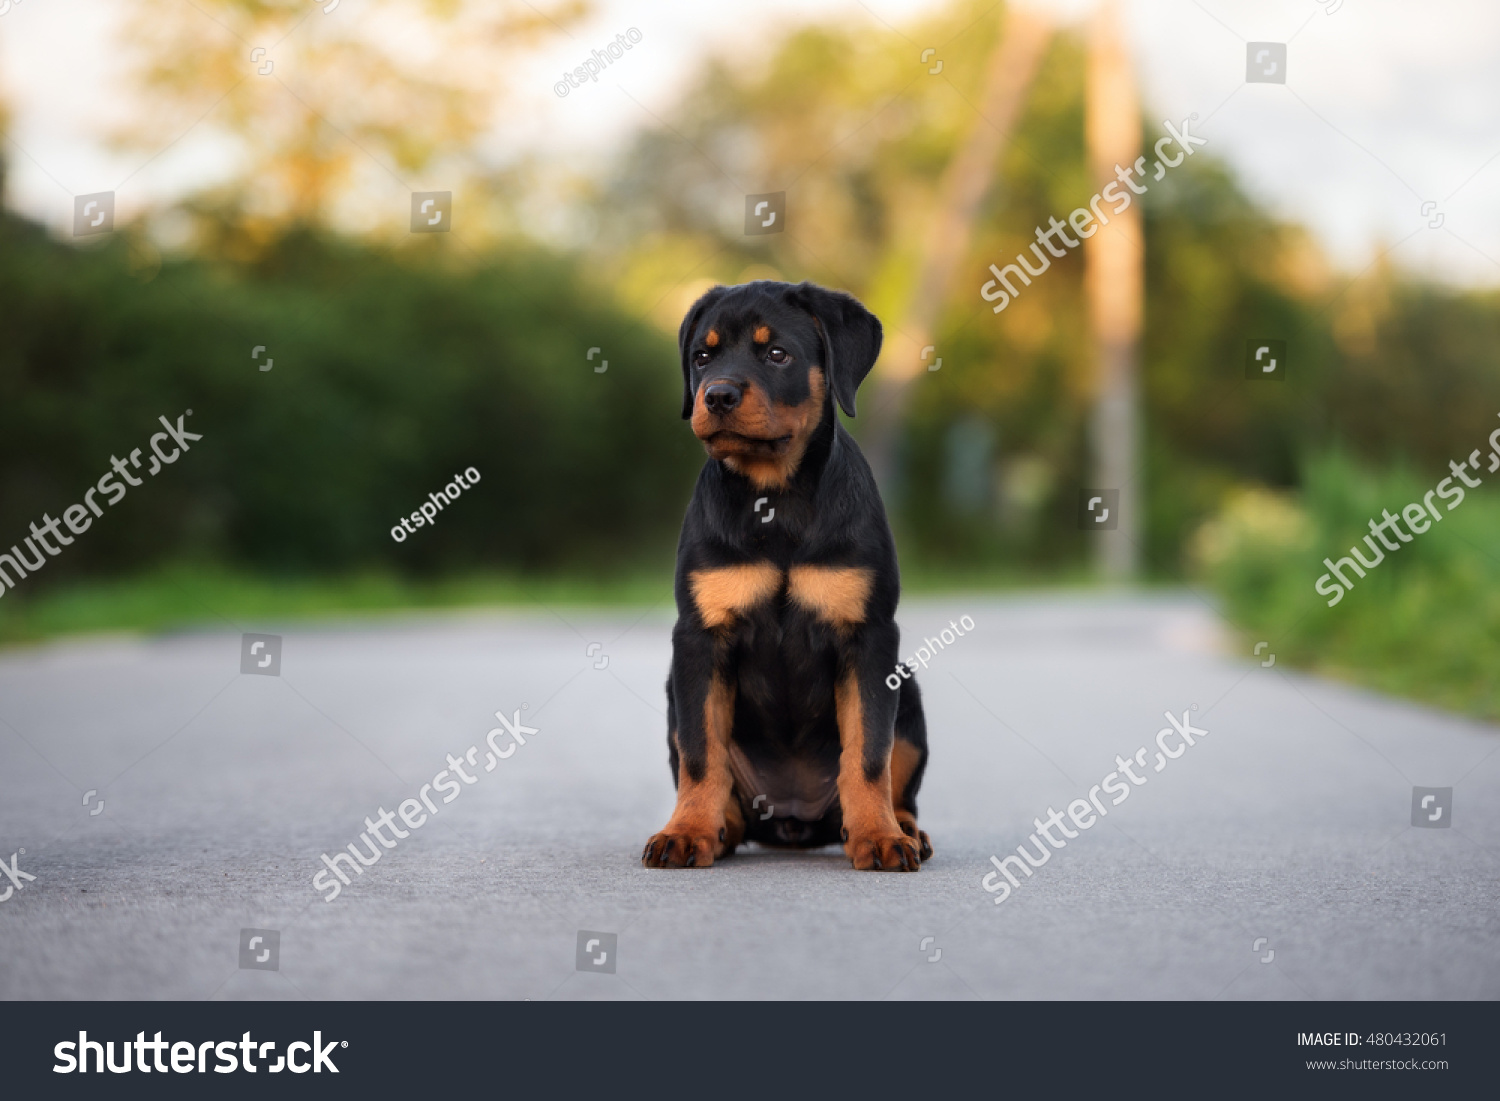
pixel 882 853
pixel 682 849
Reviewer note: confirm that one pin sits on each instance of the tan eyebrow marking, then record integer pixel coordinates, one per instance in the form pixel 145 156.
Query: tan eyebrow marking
pixel 712 339
pixel 762 334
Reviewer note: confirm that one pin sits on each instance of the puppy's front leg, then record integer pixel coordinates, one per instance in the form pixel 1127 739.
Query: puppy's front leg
pixel 866 710
pixel 704 704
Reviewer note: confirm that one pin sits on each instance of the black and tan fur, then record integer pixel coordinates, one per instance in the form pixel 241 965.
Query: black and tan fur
pixel 786 629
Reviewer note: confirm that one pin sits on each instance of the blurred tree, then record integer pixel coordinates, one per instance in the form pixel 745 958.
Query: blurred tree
pixel 965 181
pixel 310 464
pixel 392 371
pixel 860 132
pixel 313 94
pixel 4 137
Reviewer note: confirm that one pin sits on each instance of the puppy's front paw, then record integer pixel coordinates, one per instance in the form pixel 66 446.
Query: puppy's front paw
pixel 889 852
pixel 908 823
pixel 678 847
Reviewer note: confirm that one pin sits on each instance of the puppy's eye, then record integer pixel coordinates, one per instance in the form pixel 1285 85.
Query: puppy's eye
pixel 779 356
pixel 700 359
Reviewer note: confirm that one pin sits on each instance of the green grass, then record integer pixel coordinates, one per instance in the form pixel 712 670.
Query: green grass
pixel 179 596
pixel 182 596
pixel 1424 623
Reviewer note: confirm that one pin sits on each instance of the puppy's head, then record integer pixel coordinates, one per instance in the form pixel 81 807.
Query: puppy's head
pixel 762 362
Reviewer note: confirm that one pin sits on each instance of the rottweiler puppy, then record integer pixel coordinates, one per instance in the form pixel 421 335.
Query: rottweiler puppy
pixel 781 727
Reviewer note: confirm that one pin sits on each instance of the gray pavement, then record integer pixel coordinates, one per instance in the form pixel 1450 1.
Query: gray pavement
pixel 1289 821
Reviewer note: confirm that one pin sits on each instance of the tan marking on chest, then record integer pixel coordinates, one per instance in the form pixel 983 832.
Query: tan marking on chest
pixel 727 592
pixel 838 594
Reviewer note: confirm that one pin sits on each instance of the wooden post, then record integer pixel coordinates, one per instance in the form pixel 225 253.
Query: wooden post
pixel 1114 279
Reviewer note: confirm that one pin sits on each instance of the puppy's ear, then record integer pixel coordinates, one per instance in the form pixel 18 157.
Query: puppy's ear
pixel 851 338
pixel 685 342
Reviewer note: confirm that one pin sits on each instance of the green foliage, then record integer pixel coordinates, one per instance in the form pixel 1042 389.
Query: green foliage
pixel 396 367
pixel 392 371
pixel 1388 368
pixel 1425 622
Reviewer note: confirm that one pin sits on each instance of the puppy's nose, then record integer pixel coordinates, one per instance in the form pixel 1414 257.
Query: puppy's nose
pixel 721 397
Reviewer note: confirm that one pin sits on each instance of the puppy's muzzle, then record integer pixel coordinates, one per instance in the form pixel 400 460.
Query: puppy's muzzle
pixel 722 398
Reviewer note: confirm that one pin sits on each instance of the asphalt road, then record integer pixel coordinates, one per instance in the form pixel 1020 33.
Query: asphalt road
pixel 1290 820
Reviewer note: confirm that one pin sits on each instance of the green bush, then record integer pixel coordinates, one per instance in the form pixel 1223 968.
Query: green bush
pixel 392 370
pixel 1425 622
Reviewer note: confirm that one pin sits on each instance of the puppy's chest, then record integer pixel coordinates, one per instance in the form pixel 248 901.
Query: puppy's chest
pixel 758 596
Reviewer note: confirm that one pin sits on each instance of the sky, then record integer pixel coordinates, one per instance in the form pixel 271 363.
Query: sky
pixel 1383 140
